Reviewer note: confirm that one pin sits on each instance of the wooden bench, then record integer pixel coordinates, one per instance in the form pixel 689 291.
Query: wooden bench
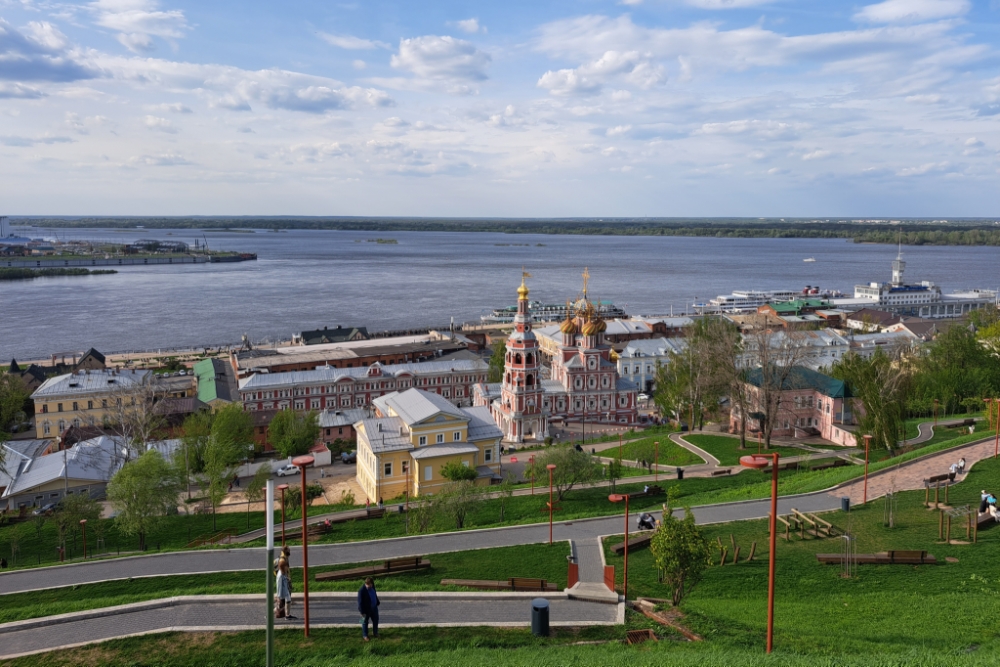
pixel 637 542
pixel 651 491
pixel 512 584
pixel 721 471
pixel 897 557
pixel 315 530
pixel 388 567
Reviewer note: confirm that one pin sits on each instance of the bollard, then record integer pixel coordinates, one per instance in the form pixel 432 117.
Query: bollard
pixel 680 473
pixel 540 617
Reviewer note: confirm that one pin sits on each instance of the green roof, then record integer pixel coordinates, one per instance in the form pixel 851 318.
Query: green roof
pixel 795 307
pixel 212 380
pixel 805 378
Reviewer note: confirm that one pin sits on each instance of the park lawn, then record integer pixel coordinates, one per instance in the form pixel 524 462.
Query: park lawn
pixel 944 609
pixel 534 560
pixel 727 448
pixel 669 454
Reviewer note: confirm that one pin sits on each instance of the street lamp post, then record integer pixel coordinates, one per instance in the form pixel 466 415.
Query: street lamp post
pixel 550 467
pixel 759 461
pixel 304 462
pixel 656 460
pixel 996 442
pixel 282 487
pixel 531 460
pixel 868 441
pixel 83 524
pixel 617 498
pixel 619 446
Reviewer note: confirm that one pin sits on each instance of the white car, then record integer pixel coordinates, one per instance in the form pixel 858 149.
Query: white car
pixel 286 470
pixel 643 397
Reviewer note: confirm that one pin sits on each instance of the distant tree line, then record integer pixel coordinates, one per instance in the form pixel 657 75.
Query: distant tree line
pixel 27 274
pixel 913 231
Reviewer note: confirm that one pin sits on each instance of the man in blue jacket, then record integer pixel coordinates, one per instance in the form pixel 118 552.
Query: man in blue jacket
pixel 368 603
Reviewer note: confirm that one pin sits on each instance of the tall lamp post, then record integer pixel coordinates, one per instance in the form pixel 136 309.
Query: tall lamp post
pixel 617 498
pixel 760 461
pixel 303 462
pixel 868 442
pixel 996 442
pixel 656 460
pixel 550 467
pixel 531 460
pixel 282 487
pixel 83 524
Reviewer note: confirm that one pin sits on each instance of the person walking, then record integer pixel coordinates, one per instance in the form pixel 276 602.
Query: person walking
pixel 284 587
pixel 368 603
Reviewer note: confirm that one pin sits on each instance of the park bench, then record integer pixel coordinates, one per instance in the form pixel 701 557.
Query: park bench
pixel 650 491
pixel 393 566
pixel 315 530
pixel 512 584
pixel 637 542
pixel 898 557
pixel 721 471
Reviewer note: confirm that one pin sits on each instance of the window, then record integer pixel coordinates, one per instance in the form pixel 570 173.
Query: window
pixel 90 405
pixel 46 427
pixel 488 455
pixel 423 440
pixel 456 436
pixel 428 473
pixel 76 406
pixel 406 466
pixel 387 469
pixel 45 408
pixel 439 437
pixel 59 407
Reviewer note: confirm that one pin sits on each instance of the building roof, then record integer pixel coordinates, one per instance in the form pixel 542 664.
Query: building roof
pixel 804 378
pixel 414 406
pixel 653 347
pixel 94 354
pixel 618 327
pixel 481 424
pixel 93 460
pixel 624 384
pixel 216 380
pixel 329 374
pixel 90 382
pixel 179 406
pixel 389 438
pixel 445 449
pixel 335 418
pixel 338 335
pixel 877 318
pixel 796 306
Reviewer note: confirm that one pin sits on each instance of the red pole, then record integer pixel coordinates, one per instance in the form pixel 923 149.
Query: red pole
pixel 407 488
pixel 550 467
pixel 868 440
pixel 758 441
pixel 304 462
pixel 774 546
pixel 656 466
pixel 625 574
pixel 996 443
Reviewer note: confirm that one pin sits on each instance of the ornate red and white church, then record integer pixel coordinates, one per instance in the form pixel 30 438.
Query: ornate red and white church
pixel 584 384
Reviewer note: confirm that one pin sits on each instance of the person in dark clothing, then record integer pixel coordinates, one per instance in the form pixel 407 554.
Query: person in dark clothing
pixel 368 603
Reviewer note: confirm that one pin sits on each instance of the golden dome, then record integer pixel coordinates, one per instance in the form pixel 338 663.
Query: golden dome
pixel 602 326
pixel 614 356
pixel 569 326
pixel 522 291
pixel 590 328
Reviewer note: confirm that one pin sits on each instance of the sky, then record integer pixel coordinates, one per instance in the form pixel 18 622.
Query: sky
pixel 507 109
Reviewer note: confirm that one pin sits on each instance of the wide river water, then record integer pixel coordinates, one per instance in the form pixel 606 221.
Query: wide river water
pixel 309 279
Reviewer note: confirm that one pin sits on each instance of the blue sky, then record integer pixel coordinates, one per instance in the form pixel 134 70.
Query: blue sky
pixel 574 108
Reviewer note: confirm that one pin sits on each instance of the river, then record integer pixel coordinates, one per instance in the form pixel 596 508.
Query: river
pixel 307 279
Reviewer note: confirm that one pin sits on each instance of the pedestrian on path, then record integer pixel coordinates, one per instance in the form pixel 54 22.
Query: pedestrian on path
pixel 284 555
pixel 284 586
pixel 368 603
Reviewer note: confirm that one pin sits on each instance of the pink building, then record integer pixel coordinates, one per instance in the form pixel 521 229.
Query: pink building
pixel 809 405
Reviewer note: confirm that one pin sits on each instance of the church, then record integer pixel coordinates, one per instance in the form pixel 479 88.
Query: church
pixel 584 385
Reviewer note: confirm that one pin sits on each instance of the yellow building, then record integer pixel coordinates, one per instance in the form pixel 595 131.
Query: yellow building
pixel 83 398
pixel 413 434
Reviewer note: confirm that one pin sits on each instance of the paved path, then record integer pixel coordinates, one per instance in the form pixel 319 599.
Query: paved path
pixel 249 612
pixel 905 476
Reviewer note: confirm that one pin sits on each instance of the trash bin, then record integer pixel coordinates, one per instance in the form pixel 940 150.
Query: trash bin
pixel 680 473
pixel 540 617
pixel 845 504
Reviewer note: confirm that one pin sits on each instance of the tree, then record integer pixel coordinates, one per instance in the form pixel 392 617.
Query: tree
pixel 879 385
pixel 498 361
pixel 13 399
pixel 233 428
pixel 505 491
pixel 132 412
pixel 293 434
pixel 572 467
pixel 458 499
pixel 142 492
pixel 255 491
pixel 77 507
pixel 615 471
pixel 453 471
pixel 197 429
pixel 681 553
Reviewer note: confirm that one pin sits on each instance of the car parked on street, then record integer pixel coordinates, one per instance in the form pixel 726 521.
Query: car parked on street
pixel 287 470
pixel 349 457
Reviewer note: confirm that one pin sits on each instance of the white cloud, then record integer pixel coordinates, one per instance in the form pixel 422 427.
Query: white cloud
pixel 19 91
pixel 817 154
pixel 161 160
pixel 160 124
pixel 359 64
pixel 452 63
pixel 618 130
pixel 629 67
pixel 25 142
pixel 138 21
pixel 912 11
pixel 470 26
pixel 39 53
pixel 352 43
pixel 727 4
pixel 762 129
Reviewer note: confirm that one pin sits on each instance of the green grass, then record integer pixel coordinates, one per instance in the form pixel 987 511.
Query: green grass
pixel 670 453
pixel 727 448
pixel 943 610
pixel 537 560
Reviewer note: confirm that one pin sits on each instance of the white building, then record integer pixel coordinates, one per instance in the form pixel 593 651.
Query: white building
pixel 638 361
pixel 822 348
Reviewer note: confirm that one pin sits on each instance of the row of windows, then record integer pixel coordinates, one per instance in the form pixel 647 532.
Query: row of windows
pixel 76 405
pixel 439 438
pixel 267 395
